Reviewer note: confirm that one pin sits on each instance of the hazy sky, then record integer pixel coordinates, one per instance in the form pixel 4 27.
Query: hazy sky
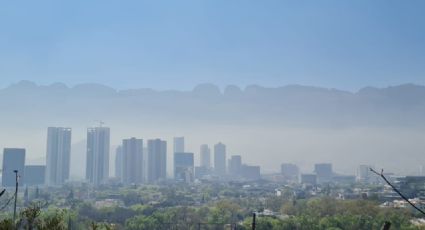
pixel 178 44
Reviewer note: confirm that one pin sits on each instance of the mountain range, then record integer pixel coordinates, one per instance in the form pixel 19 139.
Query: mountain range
pixel 294 104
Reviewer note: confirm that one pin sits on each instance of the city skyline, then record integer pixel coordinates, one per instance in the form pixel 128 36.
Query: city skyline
pixel 170 167
pixel 130 158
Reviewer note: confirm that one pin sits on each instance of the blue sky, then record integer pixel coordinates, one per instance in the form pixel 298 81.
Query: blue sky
pixel 178 44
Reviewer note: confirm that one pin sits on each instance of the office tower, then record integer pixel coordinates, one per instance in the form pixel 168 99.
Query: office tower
pixel 119 162
pixel 235 165
pixel 35 175
pixel 97 170
pixel 324 172
pixel 220 159
pixel 157 160
pixel 251 173
pixel 178 145
pixel 290 171
pixel 183 167
pixel 132 150
pixel 205 153
pixel 13 159
pixel 58 155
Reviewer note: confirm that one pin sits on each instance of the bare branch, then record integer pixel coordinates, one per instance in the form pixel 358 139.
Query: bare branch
pixel 396 190
pixel 7 203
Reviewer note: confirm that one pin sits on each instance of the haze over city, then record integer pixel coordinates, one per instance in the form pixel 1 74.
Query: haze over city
pixel 189 114
pixel 267 126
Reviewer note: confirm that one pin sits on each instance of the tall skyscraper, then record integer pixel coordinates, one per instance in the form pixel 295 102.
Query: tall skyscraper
pixel 178 145
pixel 98 140
pixel 58 155
pixel 13 159
pixel 132 150
pixel 184 167
pixel 157 160
pixel 205 153
pixel 220 159
pixel 119 162
pixel 235 165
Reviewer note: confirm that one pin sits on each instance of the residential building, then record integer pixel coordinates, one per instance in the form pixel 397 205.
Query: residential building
pixel 178 145
pixel 235 166
pixel 132 150
pixel 58 155
pixel 119 163
pixel 205 156
pixel 98 144
pixel 184 167
pixel 220 159
pixel 157 160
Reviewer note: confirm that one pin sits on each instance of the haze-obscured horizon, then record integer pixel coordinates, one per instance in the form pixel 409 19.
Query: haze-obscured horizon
pixel 267 126
pixel 310 81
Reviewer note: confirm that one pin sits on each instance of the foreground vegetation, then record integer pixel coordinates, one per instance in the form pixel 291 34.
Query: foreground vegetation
pixel 203 206
pixel 311 214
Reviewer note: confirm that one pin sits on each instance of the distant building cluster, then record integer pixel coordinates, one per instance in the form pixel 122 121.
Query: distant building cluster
pixel 324 173
pixel 136 161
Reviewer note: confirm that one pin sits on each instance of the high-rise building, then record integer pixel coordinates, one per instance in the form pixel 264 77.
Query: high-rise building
pixel 145 163
pixel 235 165
pixel 220 159
pixel 157 160
pixel 98 144
pixel 290 171
pixel 35 175
pixel 184 167
pixel 178 145
pixel 324 172
pixel 58 155
pixel 205 153
pixel 119 163
pixel 132 150
pixel 13 159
